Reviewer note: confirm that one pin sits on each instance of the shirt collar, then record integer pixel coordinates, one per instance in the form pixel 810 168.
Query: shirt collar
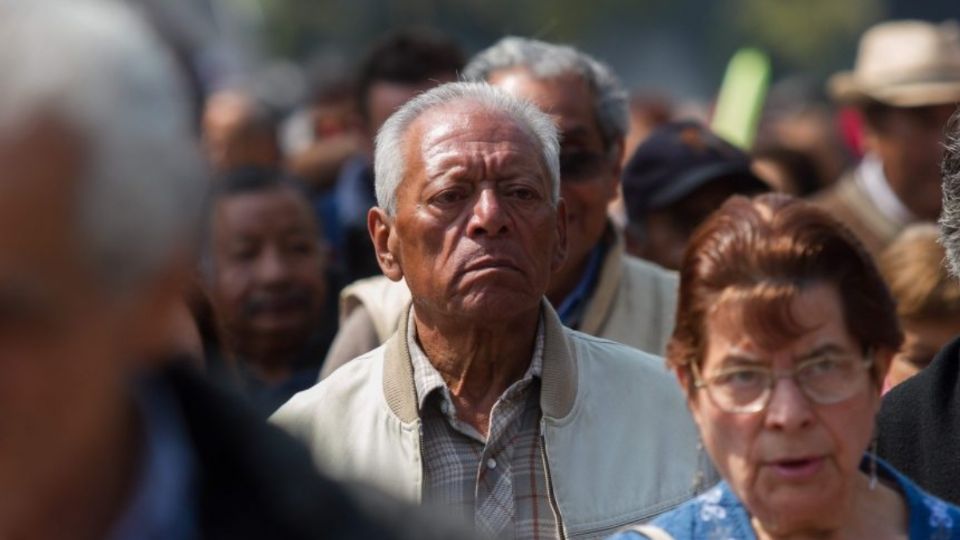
pixel 874 183
pixel 427 379
pixel 570 308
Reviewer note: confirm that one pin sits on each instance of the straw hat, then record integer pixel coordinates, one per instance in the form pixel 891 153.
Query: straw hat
pixel 903 64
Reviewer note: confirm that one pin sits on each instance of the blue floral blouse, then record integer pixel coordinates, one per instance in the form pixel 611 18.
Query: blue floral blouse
pixel 718 515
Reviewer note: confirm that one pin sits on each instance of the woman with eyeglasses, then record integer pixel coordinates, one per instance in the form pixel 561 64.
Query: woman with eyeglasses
pixel 784 333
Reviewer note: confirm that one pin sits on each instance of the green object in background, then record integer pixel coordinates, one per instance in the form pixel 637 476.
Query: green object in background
pixel 741 97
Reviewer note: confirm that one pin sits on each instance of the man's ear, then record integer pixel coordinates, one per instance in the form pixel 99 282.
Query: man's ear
pixel 560 251
pixel 383 235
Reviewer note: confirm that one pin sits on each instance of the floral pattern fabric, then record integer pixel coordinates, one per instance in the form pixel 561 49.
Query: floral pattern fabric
pixel 718 515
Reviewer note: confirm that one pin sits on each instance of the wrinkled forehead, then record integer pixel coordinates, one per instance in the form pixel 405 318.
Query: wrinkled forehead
pixel 771 317
pixel 466 124
pixel 262 209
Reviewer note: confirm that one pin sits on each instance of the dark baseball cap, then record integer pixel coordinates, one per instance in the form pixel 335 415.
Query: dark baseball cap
pixel 677 159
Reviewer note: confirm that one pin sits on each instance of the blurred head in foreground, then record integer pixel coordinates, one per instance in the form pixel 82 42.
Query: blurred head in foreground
pixel 99 203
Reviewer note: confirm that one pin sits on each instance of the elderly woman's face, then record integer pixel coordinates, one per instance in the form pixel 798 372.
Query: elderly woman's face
pixel 794 463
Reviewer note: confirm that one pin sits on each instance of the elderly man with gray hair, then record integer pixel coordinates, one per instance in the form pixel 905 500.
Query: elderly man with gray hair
pixel 101 197
pixel 482 402
pixel 599 290
pixel 918 428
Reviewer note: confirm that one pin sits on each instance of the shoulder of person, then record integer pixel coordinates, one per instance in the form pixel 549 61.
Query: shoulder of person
pixel 931 395
pixel 354 384
pixel 616 354
pixel 637 268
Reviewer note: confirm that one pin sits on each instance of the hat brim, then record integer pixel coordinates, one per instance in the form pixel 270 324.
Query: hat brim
pixel 844 87
pixel 745 182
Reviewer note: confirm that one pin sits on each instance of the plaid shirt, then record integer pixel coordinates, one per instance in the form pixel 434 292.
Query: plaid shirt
pixel 499 481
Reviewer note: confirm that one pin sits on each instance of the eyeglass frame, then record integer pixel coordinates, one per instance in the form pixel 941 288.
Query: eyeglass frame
pixel 763 400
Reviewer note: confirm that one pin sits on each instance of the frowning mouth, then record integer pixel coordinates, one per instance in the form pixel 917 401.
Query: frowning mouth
pixel 490 263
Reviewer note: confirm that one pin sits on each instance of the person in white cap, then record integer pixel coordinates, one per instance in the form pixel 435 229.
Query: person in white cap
pixel 905 83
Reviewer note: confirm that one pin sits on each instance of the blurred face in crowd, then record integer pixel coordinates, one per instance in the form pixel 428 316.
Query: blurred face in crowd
pixel 909 142
pixel 233 136
pixel 589 170
pixel 268 270
pixel 475 234
pixel 385 97
pixel 794 463
pixel 922 340
pixel 68 343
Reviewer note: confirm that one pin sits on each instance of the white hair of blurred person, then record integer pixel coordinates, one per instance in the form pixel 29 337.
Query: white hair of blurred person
pixel 96 68
pixel 548 60
pixel 389 162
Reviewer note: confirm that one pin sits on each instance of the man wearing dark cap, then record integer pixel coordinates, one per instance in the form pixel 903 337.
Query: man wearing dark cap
pixel 680 174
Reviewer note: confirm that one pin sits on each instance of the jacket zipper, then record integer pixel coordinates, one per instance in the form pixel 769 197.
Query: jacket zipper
pixel 550 496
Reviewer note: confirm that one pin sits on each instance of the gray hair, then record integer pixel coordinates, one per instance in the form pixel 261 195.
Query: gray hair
pixel 547 60
pixel 950 213
pixel 98 69
pixel 389 166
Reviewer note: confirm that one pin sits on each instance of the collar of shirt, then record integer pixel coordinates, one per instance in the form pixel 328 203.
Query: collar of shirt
pixel 161 506
pixel 874 183
pixel 428 380
pixel 571 308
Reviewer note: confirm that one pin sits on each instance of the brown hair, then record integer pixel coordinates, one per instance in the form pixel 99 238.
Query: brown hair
pixel 913 266
pixel 763 252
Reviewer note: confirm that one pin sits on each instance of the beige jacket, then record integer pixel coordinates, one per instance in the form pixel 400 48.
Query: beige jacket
pixel 619 444
pixel 634 303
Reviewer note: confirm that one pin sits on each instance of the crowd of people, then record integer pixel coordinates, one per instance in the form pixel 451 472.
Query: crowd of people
pixel 490 296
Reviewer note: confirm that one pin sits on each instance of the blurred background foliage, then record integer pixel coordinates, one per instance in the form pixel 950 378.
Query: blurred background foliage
pixel 679 47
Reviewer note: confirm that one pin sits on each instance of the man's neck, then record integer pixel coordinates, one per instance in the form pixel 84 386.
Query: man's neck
pixel 271 362
pixel 478 362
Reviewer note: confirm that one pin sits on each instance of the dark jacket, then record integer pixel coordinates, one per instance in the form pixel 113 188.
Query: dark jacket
pixel 919 426
pixel 256 482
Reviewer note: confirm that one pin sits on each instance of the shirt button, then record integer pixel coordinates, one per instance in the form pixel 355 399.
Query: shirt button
pixel 491 464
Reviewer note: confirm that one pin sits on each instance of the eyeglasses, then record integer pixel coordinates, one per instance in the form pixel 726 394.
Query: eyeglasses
pixel 825 380
pixel 581 165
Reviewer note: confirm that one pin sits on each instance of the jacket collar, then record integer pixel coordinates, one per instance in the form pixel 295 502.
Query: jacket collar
pixel 557 393
pixel 608 284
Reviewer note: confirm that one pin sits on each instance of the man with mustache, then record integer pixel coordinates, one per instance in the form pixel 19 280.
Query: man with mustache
pixel 482 402
pixel 267 284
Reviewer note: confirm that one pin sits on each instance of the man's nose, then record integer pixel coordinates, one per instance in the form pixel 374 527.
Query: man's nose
pixel 489 215
pixel 272 267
